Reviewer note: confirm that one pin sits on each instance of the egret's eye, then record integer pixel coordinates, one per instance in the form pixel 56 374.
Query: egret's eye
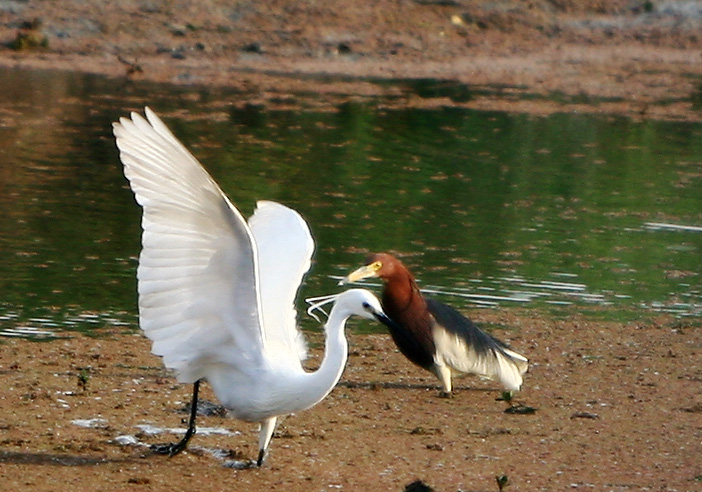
pixel 366 306
pixel 376 265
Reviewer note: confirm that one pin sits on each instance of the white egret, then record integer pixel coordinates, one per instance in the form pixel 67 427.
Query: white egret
pixel 216 294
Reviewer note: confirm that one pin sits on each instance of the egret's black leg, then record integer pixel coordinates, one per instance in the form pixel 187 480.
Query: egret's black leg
pixel 171 449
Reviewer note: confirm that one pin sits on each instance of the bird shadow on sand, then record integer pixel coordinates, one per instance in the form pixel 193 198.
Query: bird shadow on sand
pixel 54 459
pixel 374 385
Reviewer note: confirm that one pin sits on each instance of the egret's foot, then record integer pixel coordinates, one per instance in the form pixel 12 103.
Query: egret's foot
pixel 261 457
pixel 240 464
pixel 170 449
pixel 445 394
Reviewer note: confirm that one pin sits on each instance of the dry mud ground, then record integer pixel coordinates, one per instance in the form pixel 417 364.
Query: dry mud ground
pixel 619 406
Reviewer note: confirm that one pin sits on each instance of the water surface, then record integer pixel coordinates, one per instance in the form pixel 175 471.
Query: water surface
pixel 569 212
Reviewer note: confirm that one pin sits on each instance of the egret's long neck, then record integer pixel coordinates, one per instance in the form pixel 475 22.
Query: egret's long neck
pixel 336 351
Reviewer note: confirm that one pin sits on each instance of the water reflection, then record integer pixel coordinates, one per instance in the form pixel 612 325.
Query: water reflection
pixel 492 209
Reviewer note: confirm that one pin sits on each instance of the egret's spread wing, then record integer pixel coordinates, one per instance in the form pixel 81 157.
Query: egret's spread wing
pixel 198 298
pixel 285 247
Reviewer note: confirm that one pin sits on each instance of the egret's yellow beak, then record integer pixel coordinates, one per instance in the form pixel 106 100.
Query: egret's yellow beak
pixel 365 271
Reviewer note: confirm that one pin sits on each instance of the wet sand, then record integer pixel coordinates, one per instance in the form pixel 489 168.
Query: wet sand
pixel 617 408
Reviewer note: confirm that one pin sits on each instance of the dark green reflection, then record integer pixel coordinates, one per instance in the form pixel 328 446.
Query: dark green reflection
pixel 550 211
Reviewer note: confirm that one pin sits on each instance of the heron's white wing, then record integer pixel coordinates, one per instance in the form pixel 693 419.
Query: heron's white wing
pixel 197 278
pixel 285 247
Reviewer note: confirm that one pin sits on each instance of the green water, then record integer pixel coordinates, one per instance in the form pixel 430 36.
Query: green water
pixel 490 209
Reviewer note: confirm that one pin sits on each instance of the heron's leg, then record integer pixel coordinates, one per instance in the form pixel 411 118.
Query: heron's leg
pixel 443 373
pixel 264 438
pixel 172 449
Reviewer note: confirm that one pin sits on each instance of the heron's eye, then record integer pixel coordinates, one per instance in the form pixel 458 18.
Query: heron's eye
pixel 376 265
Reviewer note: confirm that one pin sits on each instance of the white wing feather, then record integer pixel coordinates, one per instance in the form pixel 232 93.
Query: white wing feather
pixel 285 247
pixel 500 364
pixel 198 292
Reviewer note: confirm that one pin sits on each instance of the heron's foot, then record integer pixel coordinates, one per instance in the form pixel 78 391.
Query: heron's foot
pixel 507 397
pixel 445 394
pixel 170 449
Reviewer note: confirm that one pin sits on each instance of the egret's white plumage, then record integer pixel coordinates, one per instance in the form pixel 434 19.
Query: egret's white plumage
pixel 216 294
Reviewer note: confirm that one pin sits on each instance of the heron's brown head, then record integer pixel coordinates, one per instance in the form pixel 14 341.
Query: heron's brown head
pixel 379 265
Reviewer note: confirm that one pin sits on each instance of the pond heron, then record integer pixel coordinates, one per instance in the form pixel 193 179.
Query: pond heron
pixel 435 336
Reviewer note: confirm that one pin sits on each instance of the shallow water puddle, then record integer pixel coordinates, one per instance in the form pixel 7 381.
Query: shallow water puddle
pixel 154 430
pixel 94 423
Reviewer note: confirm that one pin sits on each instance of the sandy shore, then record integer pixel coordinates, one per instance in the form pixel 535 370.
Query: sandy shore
pixel 618 408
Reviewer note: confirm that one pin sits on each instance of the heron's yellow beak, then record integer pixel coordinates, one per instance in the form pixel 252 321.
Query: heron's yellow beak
pixel 365 271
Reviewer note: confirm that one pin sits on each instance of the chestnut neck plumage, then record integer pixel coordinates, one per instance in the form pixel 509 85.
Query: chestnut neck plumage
pixel 401 294
pixel 404 303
